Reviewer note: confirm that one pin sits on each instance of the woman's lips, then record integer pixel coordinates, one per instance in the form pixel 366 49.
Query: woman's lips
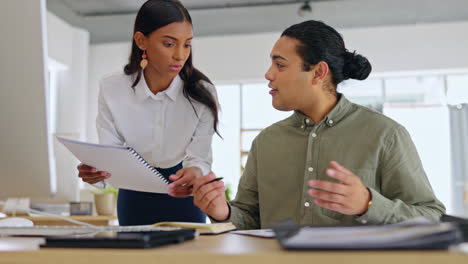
pixel 175 68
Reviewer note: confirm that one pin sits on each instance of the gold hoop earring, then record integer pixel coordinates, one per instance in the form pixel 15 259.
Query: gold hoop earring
pixel 144 61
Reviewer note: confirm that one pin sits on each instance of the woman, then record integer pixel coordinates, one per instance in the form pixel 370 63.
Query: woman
pixel 164 108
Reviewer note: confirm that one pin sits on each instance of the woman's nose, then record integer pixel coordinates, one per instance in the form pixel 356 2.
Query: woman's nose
pixel 179 54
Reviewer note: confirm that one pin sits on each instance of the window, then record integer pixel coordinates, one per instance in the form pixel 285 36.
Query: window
pixel 457 89
pixel 369 93
pixel 226 158
pixel 245 110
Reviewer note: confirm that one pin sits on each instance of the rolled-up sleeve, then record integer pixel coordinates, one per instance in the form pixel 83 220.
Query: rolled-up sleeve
pixel 405 189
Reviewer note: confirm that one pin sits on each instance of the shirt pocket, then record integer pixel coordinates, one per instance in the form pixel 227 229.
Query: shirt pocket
pixel 367 176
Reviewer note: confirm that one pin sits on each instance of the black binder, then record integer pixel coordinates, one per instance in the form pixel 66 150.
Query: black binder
pixel 383 237
pixel 146 239
pixel 461 222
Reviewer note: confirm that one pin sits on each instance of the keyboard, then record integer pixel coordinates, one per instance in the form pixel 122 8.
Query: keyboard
pixel 41 230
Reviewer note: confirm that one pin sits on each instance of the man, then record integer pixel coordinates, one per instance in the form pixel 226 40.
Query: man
pixel 332 162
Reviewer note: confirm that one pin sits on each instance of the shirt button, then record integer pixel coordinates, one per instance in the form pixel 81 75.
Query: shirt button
pixel 330 121
pixel 302 126
pixel 314 135
pixel 311 169
pixel 306 204
pixel 307 120
pixel 363 221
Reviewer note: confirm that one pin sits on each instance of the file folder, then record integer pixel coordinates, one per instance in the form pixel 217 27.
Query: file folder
pixel 377 237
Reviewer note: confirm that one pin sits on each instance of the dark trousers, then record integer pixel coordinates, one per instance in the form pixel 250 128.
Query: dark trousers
pixel 143 208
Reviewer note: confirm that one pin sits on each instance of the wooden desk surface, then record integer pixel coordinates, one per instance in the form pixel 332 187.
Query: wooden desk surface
pixel 99 220
pixel 226 249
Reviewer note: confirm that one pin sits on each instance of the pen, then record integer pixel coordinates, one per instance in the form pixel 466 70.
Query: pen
pixel 217 179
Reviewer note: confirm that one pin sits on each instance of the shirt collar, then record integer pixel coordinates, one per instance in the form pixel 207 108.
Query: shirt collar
pixel 339 112
pixel 332 118
pixel 142 90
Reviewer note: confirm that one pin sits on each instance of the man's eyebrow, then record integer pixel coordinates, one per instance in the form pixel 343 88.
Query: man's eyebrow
pixel 174 38
pixel 278 57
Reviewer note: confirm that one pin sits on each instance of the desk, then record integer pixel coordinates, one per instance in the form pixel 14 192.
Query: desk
pixel 100 220
pixel 226 249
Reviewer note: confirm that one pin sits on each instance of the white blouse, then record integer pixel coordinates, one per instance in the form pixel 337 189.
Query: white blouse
pixel 163 128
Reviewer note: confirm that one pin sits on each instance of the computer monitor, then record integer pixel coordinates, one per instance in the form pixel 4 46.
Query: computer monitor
pixel 27 163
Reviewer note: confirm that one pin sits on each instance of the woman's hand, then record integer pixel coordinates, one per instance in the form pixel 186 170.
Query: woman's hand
pixel 90 174
pixel 182 184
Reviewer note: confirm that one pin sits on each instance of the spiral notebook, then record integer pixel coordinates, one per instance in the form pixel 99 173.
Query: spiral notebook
pixel 127 168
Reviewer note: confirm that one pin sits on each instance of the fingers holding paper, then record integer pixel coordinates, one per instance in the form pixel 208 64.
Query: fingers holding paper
pixel 209 196
pixel 90 174
pixel 182 184
pixel 347 196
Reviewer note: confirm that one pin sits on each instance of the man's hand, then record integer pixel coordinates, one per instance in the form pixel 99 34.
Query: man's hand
pixel 349 196
pixel 210 198
pixel 90 174
pixel 182 184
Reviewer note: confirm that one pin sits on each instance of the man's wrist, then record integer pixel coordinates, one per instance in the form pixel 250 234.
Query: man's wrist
pixel 226 218
pixel 369 203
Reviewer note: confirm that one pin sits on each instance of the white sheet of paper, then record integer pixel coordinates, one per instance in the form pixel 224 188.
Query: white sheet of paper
pixel 266 233
pixel 127 171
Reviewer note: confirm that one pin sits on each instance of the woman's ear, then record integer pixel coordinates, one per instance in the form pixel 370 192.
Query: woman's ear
pixel 140 40
pixel 321 71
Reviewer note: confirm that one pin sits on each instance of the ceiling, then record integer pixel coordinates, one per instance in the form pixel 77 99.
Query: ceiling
pixel 112 20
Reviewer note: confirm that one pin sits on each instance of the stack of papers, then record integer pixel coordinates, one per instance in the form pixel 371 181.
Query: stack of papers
pixel 398 236
pixel 202 229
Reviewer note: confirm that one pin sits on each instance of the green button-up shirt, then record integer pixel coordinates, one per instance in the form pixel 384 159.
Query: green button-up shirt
pixel 289 153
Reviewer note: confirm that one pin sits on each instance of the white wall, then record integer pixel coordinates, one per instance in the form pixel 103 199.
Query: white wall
pixel 69 47
pixel 412 48
pixel 390 49
pixel 103 59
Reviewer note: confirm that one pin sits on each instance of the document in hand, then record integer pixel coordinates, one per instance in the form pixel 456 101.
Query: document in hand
pixel 202 229
pixel 397 236
pixel 127 168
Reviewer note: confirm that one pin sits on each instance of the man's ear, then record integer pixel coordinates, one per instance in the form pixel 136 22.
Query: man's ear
pixel 140 40
pixel 321 71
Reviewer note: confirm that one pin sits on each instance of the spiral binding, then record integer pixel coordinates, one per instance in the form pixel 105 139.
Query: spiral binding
pixel 151 168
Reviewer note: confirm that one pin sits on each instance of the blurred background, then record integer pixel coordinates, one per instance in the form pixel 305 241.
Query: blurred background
pixel 418 50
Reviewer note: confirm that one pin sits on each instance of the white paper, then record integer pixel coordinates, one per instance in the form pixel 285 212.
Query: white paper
pixel 266 233
pixel 126 170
